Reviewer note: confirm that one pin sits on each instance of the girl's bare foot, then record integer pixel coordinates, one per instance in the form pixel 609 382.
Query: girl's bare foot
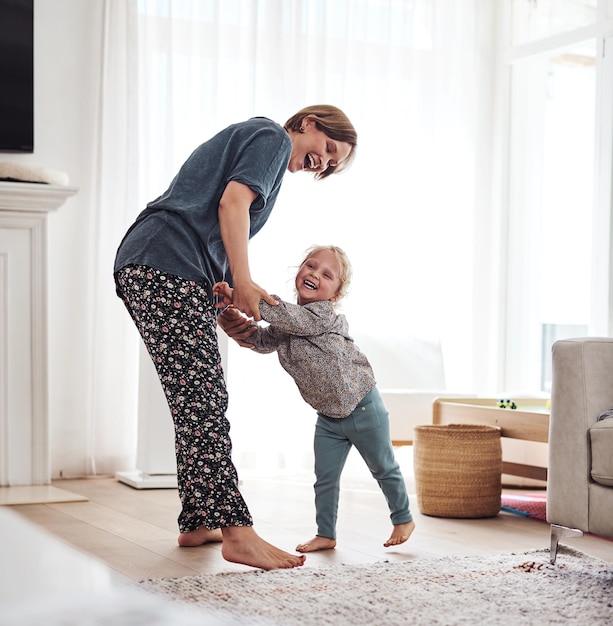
pixel 199 537
pixel 317 543
pixel 400 534
pixel 241 544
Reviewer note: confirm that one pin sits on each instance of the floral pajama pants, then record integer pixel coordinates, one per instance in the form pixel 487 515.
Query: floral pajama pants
pixel 176 320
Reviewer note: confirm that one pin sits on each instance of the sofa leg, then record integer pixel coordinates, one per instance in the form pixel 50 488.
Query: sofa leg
pixel 557 532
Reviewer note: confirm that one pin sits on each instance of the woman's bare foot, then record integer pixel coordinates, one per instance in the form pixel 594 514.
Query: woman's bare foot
pixel 199 537
pixel 241 544
pixel 317 543
pixel 400 534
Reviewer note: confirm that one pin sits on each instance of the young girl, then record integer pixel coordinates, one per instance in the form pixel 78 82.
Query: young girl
pixel 313 345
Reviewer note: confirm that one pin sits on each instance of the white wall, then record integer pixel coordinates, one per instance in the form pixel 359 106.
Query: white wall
pixel 68 48
pixel 66 63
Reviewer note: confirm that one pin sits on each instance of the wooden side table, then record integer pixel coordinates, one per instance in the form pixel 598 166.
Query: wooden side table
pixel 528 422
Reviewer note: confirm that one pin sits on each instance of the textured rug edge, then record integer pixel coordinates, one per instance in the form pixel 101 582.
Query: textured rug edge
pixel 489 589
pixel 563 550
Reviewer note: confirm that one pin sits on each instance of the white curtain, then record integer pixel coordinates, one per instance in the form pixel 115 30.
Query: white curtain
pixel 113 357
pixel 413 213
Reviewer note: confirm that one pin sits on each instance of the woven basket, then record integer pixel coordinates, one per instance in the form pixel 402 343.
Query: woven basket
pixel 458 470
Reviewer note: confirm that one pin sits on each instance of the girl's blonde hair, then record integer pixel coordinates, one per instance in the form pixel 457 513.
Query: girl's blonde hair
pixel 344 265
pixel 334 123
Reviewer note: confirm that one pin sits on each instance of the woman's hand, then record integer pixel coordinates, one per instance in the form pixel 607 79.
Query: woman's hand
pixel 237 325
pixel 225 296
pixel 246 297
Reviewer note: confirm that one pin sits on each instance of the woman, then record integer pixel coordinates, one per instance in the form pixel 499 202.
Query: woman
pixel 194 235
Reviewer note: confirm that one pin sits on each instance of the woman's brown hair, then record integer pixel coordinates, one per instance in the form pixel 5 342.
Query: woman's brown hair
pixel 334 123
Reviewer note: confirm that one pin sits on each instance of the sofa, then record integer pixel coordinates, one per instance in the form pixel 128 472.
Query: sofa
pixel 580 478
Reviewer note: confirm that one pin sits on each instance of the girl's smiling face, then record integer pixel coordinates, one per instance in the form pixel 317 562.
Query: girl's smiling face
pixel 313 151
pixel 318 278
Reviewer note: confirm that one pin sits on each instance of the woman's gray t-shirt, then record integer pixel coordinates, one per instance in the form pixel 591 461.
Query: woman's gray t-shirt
pixel 179 232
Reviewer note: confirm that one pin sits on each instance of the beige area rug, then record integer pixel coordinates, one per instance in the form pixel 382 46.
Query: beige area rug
pixel 37 494
pixel 515 588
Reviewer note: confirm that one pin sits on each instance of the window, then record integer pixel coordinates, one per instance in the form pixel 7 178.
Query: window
pixel 555 213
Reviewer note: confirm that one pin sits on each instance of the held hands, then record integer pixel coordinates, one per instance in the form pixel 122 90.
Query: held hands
pixel 233 322
pixel 245 297
pixel 236 324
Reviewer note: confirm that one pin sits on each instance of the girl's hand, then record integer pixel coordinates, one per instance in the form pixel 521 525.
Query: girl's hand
pixel 223 293
pixel 237 325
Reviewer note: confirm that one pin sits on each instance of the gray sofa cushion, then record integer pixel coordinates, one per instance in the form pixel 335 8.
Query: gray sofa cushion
pixel 601 437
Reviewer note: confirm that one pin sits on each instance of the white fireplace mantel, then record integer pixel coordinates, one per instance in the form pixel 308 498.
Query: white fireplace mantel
pixel 24 423
pixel 33 197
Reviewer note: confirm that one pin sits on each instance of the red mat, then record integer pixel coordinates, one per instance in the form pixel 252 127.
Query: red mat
pixel 528 504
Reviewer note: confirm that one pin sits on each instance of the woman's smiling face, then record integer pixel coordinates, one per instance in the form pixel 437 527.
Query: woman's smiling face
pixel 318 278
pixel 313 151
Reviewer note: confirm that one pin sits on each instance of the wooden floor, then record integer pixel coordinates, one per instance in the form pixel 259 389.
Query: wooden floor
pixel 134 531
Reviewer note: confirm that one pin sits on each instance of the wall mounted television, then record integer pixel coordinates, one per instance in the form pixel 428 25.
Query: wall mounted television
pixel 16 75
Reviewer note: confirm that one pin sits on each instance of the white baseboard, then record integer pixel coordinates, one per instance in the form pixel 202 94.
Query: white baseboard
pixel 139 480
